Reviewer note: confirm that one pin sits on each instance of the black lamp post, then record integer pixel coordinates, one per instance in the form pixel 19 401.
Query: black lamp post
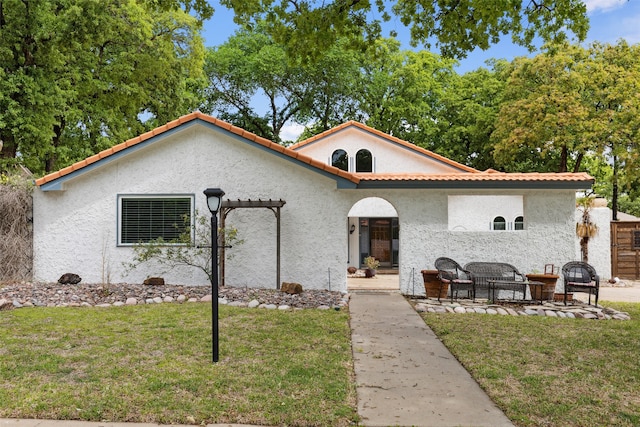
pixel 214 199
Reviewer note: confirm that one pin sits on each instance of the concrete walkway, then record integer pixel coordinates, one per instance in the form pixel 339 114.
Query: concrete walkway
pixel 405 376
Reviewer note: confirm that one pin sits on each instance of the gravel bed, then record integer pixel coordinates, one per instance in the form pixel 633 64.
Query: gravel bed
pixel 58 295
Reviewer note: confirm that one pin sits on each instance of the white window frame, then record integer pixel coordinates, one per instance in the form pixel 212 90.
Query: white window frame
pixel 122 197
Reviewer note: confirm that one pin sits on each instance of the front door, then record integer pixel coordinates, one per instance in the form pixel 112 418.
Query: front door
pixel 379 239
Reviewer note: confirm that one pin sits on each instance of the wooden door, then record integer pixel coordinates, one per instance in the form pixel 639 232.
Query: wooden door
pixel 625 249
pixel 381 240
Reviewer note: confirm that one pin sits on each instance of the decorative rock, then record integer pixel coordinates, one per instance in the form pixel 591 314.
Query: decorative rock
pixel 284 307
pixel 323 307
pixel 157 300
pixel 167 299
pixel 148 301
pixel 105 305
pixel 492 311
pixel 291 288
pixel 118 304
pixel 69 278
pixel 550 313
pixel 222 301
pixel 421 308
pixel 480 310
pixel 17 304
pixel 181 298
pixel 131 301
pixel 501 311
pixel 270 306
pixel 459 310
pixel 153 281
pixel 237 304
pixel 512 312
pixel 4 304
pixel 192 299
pixel 206 298
pixel 530 312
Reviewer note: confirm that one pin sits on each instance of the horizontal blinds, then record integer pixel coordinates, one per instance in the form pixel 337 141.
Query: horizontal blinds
pixel 146 219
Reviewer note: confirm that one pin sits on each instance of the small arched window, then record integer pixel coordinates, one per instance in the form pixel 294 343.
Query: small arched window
pixel 364 161
pixel 518 224
pixel 340 159
pixel 499 223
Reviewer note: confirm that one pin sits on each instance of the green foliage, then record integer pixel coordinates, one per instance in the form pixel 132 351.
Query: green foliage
pixel 190 249
pixel 308 28
pixel 79 76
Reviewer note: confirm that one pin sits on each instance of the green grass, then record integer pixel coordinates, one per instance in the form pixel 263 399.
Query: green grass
pixel 153 364
pixel 545 371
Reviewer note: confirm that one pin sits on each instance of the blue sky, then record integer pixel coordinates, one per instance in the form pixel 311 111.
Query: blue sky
pixel 610 21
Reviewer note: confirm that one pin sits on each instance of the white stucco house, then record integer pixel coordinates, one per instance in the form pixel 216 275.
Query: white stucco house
pixel 349 192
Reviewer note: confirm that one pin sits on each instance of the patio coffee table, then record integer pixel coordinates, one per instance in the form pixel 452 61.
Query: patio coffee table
pixel 515 286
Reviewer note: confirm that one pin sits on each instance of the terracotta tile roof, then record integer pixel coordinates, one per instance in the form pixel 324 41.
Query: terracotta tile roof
pixel 384 136
pixel 474 175
pixel 185 119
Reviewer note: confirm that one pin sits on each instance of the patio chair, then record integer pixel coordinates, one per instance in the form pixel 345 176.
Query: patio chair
pixel 452 274
pixel 580 277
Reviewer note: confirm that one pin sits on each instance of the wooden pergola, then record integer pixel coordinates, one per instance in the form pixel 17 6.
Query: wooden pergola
pixel 230 205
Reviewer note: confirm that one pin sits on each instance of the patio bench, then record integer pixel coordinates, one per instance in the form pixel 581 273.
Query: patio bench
pixel 496 276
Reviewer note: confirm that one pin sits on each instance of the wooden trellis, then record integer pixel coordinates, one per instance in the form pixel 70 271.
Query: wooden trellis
pixel 230 205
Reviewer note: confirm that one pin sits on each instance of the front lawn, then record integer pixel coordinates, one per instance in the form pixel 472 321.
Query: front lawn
pixel 545 371
pixel 152 363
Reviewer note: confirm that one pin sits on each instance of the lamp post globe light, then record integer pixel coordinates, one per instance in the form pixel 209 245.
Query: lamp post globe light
pixel 214 199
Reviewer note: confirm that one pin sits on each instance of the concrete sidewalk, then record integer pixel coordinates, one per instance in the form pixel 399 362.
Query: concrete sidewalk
pixel 405 376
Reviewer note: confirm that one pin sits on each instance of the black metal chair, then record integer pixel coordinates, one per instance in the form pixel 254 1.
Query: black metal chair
pixel 452 274
pixel 580 277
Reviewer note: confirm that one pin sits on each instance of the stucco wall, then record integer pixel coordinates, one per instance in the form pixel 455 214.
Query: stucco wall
pixel 388 156
pixel 75 230
pixel 424 235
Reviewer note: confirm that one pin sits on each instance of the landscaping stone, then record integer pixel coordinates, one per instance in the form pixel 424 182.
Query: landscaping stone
pixel 575 310
pixel 114 295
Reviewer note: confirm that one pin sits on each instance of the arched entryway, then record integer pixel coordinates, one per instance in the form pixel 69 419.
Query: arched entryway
pixel 374 231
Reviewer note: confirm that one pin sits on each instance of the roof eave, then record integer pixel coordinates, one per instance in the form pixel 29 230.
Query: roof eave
pixel 474 185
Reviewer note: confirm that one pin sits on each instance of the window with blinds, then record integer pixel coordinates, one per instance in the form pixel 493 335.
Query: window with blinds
pixel 145 218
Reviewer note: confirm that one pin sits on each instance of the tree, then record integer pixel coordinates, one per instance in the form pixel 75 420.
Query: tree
pixel 251 68
pixel 544 117
pixel 614 76
pixel 307 28
pixel 78 76
pixel 252 85
pixel 191 249
pixel 403 91
pixel 469 111
pixel 575 106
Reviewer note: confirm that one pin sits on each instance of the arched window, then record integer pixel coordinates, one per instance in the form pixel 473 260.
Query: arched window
pixel 499 223
pixel 518 224
pixel 364 161
pixel 340 159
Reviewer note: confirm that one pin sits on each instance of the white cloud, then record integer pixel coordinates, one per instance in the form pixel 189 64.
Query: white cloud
pixel 603 5
pixel 291 131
